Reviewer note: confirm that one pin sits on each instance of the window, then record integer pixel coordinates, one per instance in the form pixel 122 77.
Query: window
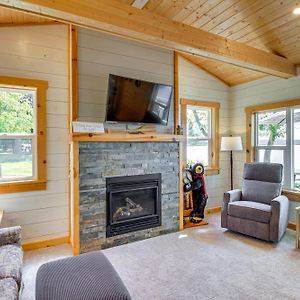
pixel 22 134
pixel 200 125
pixel 276 138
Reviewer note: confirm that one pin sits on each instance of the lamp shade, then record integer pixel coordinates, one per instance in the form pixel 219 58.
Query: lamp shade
pixel 231 143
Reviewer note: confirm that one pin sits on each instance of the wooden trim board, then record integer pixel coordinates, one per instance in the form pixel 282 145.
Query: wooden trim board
pixel 292 226
pixel 213 210
pixel 76 201
pixel 181 204
pixel 46 243
pixel 121 19
pixel 292 195
pixel 176 91
pixel 125 137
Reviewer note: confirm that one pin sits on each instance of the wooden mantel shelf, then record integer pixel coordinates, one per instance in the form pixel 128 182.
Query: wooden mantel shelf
pixel 125 137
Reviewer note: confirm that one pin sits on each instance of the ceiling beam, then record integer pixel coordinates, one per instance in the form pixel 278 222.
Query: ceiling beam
pixel 124 20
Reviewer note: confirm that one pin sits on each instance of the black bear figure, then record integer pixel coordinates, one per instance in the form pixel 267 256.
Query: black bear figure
pixel 199 193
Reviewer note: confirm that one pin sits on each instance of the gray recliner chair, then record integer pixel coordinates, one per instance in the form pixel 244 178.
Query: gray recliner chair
pixel 258 209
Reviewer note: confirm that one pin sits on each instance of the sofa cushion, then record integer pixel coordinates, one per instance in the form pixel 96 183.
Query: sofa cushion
pixel 11 257
pixel 259 191
pixel 8 289
pixel 249 210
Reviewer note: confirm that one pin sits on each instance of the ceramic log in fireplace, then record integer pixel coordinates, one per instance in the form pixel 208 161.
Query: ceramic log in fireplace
pixel 133 203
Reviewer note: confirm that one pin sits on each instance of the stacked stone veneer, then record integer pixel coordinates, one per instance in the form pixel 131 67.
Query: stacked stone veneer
pixel 99 160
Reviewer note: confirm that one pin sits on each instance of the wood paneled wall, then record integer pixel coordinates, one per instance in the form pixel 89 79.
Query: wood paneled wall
pixel 41 52
pixel 198 85
pixel 100 54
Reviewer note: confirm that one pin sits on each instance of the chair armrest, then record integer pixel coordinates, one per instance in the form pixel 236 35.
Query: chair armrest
pixel 10 235
pixel 230 196
pixel 233 195
pixel 279 217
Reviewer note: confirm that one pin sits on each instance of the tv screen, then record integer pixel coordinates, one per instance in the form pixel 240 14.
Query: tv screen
pixel 137 101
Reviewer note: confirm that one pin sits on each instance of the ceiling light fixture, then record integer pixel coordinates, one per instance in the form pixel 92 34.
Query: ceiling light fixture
pixel 296 11
pixel 139 3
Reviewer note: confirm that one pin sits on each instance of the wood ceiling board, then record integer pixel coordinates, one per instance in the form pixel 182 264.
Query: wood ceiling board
pixel 176 8
pixel 213 13
pixel 188 9
pixel 270 17
pixel 247 23
pixel 229 74
pixel 244 11
pixel 236 8
pixel 124 20
pixel 11 17
pixel 200 11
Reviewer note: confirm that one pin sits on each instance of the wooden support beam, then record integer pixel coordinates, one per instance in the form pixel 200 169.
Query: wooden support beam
pixel 73 148
pixel 124 20
pixel 176 92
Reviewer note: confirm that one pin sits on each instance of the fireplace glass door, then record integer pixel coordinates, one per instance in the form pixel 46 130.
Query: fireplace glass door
pixel 133 203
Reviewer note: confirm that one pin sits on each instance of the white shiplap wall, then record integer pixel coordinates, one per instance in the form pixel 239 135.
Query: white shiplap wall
pixel 266 90
pixel 198 85
pixel 100 54
pixel 41 52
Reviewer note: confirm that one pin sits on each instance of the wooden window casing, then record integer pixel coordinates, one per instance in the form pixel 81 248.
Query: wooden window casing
pixel 40 180
pixel 213 168
pixel 250 111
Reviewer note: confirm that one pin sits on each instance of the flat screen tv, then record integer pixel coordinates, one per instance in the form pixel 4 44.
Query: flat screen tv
pixel 137 101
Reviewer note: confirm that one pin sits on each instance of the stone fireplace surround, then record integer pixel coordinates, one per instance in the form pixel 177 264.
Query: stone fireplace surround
pixel 100 160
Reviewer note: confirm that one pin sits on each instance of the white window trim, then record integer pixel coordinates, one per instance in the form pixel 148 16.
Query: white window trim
pixel 288 149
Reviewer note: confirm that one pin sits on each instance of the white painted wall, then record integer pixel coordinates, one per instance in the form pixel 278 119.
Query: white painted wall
pixel 100 54
pixel 196 84
pixel 41 52
pixel 265 90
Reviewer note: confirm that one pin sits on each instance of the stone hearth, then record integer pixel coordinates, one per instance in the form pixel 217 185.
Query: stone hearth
pixel 100 160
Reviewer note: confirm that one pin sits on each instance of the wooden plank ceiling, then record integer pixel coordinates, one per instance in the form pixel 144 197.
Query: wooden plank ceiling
pixel 11 17
pixel 269 25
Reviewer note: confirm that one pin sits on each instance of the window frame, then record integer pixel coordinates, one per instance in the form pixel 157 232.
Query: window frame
pixel 40 161
pixel 251 154
pixel 214 145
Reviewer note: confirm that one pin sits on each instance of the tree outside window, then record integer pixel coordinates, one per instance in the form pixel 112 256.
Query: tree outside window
pixel 17 133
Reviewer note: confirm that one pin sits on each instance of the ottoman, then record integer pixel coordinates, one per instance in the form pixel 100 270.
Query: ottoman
pixel 88 276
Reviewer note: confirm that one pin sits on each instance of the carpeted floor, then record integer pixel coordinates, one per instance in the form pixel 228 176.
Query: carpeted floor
pixel 200 263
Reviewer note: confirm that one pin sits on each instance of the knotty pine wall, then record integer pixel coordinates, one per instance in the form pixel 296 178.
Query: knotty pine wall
pixel 196 84
pixel 100 54
pixel 41 52
pixel 266 90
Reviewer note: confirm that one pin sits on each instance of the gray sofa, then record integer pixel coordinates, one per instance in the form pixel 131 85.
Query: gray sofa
pixel 258 209
pixel 11 259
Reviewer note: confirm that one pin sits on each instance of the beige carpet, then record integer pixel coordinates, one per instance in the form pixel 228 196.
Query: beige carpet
pixel 200 263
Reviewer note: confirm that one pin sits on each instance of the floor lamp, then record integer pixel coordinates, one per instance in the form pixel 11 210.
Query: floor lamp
pixel 231 143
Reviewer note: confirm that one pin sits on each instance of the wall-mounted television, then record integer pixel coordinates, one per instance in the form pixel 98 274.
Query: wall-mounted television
pixel 137 101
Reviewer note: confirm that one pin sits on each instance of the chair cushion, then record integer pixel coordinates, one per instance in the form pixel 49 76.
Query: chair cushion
pixel 259 191
pixel 11 258
pixel 268 172
pixel 8 289
pixel 88 276
pixel 249 210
